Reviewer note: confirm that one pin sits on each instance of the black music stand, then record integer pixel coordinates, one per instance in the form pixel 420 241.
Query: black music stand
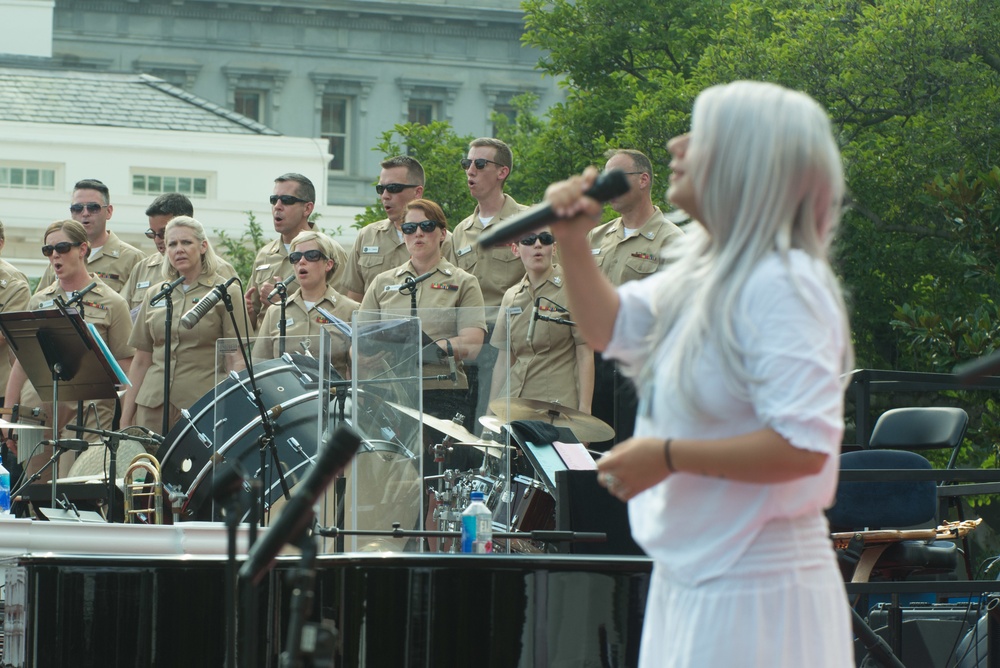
pixel 64 362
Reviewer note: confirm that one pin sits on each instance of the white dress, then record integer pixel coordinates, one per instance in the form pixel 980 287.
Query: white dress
pixel 744 574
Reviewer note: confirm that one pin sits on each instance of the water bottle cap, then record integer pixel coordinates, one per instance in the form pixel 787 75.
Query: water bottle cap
pixel 478 496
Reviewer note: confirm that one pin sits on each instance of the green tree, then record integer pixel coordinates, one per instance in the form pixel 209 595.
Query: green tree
pixel 241 252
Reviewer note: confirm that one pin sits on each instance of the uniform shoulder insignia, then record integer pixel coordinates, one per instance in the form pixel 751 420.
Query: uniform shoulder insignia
pixel 557 280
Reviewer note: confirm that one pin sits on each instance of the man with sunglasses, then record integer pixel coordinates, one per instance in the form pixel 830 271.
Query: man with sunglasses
pixel 148 273
pixel 292 202
pixel 627 248
pixel 487 166
pixel 380 246
pixel 110 258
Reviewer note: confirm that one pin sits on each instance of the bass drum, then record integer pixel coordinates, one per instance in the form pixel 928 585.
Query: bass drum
pixel 225 426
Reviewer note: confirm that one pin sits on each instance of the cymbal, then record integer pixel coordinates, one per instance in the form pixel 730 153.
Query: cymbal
pixel 446 427
pixel 4 424
pixel 491 422
pixel 585 427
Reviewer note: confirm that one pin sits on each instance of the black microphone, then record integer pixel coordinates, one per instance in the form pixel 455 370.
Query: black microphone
pixel 534 319
pixel 166 290
pixel 298 513
pixel 283 282
pixel 78 296
pixel 410 283
pixel 68 444
pixel 205 304
pixel 607 186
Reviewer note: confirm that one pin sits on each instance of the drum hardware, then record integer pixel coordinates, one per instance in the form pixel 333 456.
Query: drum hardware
pixel 446 427
pixel 294 444
pixel 151 491
pixel 492 423
pixel 584 426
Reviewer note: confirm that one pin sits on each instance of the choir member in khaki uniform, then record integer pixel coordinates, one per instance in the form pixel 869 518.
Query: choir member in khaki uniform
pixel 14 296
pixel 487 167
pixel 555 364
pixel 460 335
pixel 192 351
pixel 627 248
pixel 66 247
pixel 311 255
pixel 379 246
pixel 292 203
pixel 149 273
pixel 110 258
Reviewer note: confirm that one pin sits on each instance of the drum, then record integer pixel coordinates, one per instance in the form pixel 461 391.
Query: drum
pixel 530 506
pixel 225 425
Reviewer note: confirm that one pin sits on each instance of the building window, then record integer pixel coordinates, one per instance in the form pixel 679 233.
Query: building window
pixel 421 112
pixel 157 184
pixel 27 178
pixel 333 126
pixel 250 103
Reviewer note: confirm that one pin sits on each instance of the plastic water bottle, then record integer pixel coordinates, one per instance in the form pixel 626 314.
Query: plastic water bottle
pixel 4 490
pixel 477 526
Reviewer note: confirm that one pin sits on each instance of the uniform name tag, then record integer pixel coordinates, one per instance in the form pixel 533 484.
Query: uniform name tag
pixel 370 250
pixel 595 251
pixel 141 285
pixel 47 304
pixel 391 288
pixel 289 322
pixel 515 310
pixel 261 267
pixel 463 251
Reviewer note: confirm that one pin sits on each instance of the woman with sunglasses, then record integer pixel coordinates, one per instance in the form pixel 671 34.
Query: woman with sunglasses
pixel 740 349
pixel 554 364
pixel 67 248
pixel 457 326
pixel 192 351
pixel 308 309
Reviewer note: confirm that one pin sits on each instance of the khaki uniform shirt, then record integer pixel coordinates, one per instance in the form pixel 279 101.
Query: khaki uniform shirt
pixel 107 311
pixel 449 288
pixel 305 324
pixel 112 264
pixel 377 248
pixel 149 274
pixel 543 368
pixel 623 260
pixel 272 260
pixel 496 268
pixel 14 296
pixel 192 351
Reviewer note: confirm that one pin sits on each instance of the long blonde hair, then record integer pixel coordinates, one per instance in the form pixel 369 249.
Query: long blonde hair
pixel 767 177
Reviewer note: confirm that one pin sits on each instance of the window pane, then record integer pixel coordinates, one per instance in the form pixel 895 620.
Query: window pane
pixel 17 178
pixel 200 188
pixel 421 112
pixel 153 185
pixel 31 178
pixel 138 184
pixel 169 184
pixel 248 103
pixel 184 185
pixel 337 146
pixel 334 119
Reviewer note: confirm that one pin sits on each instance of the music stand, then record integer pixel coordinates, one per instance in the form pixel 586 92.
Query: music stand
pixel 64 362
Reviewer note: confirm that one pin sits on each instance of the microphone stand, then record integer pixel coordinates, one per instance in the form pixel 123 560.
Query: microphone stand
pixel 77 301
pixel 266 439
pixel 167 288
pixel 282 291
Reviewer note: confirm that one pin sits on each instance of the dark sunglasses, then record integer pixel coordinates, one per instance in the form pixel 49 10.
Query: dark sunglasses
pixel 394 188
pixel 311 255
pixel 287 200
pixel 546 238
pixel 62 247
pixel 480 163
pixel 425 225
pixel 92 207
pixel 150 234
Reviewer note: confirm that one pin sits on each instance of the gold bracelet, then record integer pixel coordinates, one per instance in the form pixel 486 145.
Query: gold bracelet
pixel 666 455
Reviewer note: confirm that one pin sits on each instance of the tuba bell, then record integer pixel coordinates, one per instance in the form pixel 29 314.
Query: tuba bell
pixel 150 493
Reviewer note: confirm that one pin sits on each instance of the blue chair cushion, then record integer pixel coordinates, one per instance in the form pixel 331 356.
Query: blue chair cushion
pixel 883 504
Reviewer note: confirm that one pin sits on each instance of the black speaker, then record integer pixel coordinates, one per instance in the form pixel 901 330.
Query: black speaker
pixel 583 505
pixel 931 633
